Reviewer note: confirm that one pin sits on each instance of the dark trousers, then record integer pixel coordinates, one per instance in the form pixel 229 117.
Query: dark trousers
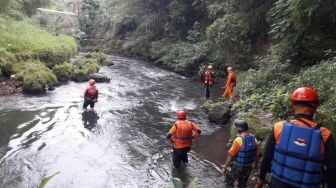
pixel 275 183
pixel 207 89
pixel 239 173
pixel 180 155
pixel 87 103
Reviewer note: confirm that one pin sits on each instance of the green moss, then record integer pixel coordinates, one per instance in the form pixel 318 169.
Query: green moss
pixel 100 57
pixel 35 76
pixel 82 72
pixel 63 71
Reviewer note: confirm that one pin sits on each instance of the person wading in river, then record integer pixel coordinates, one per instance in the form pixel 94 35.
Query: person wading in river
pixel 181 134
pixel 90 94
pixel 242 156
pixel 296 149
pixel 230 83
pixel 208 81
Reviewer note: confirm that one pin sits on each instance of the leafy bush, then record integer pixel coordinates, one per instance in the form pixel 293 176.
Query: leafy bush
pixel 180 56
pixel 35 76
pixel 303 30
pixel 82 72
pixel 262 88
pixel 230 34
pixel 100 57
pixel 6 61
pixel 63 71
pixel 270 87
pixel 322 78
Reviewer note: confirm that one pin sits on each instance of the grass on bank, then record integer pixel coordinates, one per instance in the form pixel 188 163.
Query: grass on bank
pixel 39 58
pixel 35 76
pixel 26 41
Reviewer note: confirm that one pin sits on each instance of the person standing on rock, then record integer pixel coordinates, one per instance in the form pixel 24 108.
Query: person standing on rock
pixel 242 156
pixel 90 94
pixel 297 150
pixel 230 84
pixel 208 81
pixel 180 135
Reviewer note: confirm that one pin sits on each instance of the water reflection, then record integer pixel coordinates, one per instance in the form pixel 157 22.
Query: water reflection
pixel 90 119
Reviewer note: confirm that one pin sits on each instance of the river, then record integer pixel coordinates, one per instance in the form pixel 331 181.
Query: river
pixel 122 143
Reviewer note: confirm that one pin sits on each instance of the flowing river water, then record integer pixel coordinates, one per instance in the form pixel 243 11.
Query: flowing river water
pixel 122 143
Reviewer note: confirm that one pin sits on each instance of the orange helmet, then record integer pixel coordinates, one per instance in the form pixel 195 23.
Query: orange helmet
pixel 229 69
pixel 305 95
pixel 181 114
pixel 92 82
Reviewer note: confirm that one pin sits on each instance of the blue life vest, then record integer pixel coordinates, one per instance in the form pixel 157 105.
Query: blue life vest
pixel 246 154
pixel 297 159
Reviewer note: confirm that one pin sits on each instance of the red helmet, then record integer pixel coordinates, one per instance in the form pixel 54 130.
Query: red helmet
pixel 305 94
pixel 229 69
pixel 92 82
pixel 181 114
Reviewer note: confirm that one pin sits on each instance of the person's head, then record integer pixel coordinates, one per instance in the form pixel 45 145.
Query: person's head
pixel 229 69
pixel 210 67
pixel 181 115
pixel 304 101
pixel 92 82
pixel 240 125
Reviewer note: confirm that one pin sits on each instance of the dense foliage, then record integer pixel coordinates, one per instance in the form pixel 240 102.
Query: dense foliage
pixel 282 43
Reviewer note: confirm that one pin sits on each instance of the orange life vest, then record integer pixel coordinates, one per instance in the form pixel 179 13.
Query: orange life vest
pixel 184 133
pixel 208 77
pixel 91 93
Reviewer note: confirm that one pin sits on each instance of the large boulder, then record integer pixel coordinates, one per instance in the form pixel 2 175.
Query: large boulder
pixel 99 77
pixel 218 111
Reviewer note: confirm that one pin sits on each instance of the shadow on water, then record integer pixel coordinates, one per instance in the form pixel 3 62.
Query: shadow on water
pixel 9 126
pixel 90 119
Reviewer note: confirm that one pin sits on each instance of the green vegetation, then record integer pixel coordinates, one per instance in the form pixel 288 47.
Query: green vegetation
pixel 260 129
pixel 27 41
pixel 274 45
pixel 30 52
pixel 35 76
pixel 100 57
pixel 63 71
pixel 82 71
pixel 46 180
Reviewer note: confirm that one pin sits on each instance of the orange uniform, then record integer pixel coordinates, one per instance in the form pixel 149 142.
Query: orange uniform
pixel 229 84
pixel 183 131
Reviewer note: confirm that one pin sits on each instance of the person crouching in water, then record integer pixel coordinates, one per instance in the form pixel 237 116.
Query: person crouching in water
pixel 181 134
pixel 90 94
pixel 242 156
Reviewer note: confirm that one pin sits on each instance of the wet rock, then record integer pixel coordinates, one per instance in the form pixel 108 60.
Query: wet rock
pixel 218 111
pixel 99 77
pixel 10 86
